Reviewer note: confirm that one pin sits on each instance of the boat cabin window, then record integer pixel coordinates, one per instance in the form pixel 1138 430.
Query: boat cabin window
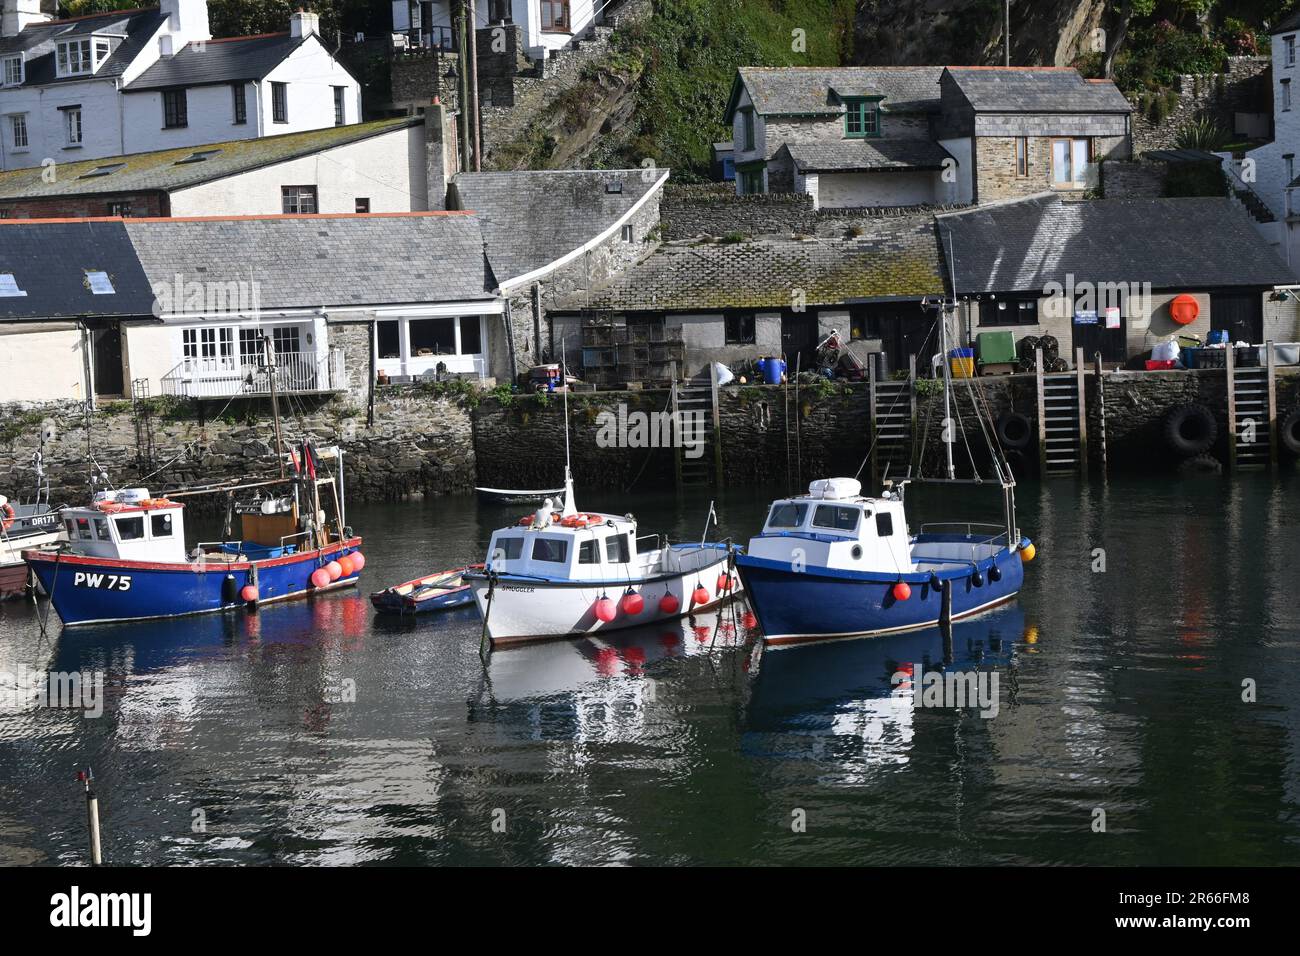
pixel 550 549
pixel 160 526
pixel 83 529
pixel 71 526
pixel 787 514
pixel 884 524
pixel 508 549
pixel 101 529
pixel 130 529
pixel 616 549
pixel 589 552
pixel 837 517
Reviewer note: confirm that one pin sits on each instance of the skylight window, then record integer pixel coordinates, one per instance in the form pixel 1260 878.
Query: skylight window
pixel 197 157
pixel 102 170
pixel 99 283
pixel 9 286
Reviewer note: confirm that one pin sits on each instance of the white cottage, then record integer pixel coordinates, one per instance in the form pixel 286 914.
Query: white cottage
pixel 546 24
pixel 137 80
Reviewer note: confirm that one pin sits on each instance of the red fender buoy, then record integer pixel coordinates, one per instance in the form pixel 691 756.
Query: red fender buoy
pixel 320 577
pixel 669 604
pixel 902 591
pixel 605 610
pixel 700 595
pixel 632 603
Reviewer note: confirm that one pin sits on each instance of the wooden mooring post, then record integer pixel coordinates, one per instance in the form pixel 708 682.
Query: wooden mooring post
pixel 1082 388
pixel 1101 415
pixel 1230 381
pixel 1042 411
pixel 1270 381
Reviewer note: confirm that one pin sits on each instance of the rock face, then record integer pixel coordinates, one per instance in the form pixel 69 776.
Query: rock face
pixel 962 32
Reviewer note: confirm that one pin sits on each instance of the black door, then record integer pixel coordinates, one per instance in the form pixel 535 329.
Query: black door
pixel 1241 314
pixel 799 340
pixel 107 352
pixel 1094 337
pixel 904 330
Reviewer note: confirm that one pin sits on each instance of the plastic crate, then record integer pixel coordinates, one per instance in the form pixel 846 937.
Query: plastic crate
pixel 1161 365
pixel 1211 358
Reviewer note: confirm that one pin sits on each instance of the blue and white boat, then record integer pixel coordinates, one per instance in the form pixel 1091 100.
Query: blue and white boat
pixel 126 558
pixel 833 563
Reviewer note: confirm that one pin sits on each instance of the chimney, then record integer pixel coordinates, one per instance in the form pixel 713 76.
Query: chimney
pixel 166 45
pixel 19 14
pixel 440 153
pixel 304 24
pixel 187 20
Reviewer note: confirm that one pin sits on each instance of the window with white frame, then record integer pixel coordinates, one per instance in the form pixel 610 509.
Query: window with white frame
pixel 72 126
pixel 417 345
pixel 1286 94
pixel 82 56
pixel 18 131
pixel 13 71
pixel 209 348
pixel 1288 48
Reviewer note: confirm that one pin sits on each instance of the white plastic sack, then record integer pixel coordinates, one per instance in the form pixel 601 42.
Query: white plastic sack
pixel 1166 351
pixel 723 373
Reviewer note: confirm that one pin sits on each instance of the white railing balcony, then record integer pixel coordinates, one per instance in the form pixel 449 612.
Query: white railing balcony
pixel 292 372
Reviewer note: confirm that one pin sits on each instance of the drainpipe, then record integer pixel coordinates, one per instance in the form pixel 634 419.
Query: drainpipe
pixel 471 34
pixel 510 344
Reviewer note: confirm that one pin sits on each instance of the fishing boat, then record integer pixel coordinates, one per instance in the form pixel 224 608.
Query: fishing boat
pixel 434 592
pixel 832 563
pixel 561 572
pixel 126 558
pixel 22 527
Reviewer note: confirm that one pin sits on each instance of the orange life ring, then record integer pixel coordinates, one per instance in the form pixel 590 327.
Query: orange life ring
pixel 581 520
pixel 527 520
pixel 1184 309
pixel 7 510
pixel 110 506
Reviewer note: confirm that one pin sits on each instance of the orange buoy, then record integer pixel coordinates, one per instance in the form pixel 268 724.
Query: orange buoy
pixel 724 583
pixel 248 593
pixel 345 562
pixel 902 591
pixel 605 610
pixel 632 603
pixel 668 604
pixel 320 577
pixel 700 595
pixel 1184 309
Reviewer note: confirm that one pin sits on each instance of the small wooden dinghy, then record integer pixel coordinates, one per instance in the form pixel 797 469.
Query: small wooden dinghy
pixel 436 592
pixel 515 496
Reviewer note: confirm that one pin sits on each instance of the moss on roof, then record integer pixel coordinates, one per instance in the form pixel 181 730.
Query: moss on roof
pixel 160 170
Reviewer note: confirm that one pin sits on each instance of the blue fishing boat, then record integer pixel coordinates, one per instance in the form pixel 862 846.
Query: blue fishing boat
pixel 832 563
pixel 126 556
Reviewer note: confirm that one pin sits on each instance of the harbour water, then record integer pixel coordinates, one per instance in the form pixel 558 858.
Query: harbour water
pixel 316 733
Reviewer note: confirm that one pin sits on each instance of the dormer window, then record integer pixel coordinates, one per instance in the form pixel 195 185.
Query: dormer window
pixel 82 57
pixel 12 74
pixel 861 117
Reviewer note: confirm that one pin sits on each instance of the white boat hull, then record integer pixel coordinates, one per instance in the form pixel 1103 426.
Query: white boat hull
pixel 529 609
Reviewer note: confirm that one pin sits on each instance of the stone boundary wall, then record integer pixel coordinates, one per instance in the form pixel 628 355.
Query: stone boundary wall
pixel 1244 87
pixel 424 443
pixel 1133 179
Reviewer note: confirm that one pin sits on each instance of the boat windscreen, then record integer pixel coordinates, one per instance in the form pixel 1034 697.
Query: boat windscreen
pixel 787 514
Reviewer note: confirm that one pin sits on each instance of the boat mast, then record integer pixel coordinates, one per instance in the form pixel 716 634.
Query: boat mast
pixel 569 507
pixel 269 351
pixel 948 436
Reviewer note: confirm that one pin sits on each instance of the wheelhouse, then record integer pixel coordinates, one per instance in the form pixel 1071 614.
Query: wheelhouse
pixel 597 550
pixel 128 525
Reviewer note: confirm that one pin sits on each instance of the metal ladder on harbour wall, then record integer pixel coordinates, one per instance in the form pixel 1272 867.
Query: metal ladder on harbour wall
pixel 1062 419
pixel 695 418
pixel 893 422
pixel 1252 411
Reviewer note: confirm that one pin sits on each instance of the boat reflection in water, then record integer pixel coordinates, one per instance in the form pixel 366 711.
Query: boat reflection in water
pixel 841 701
pixel 336 621
pixel 598 686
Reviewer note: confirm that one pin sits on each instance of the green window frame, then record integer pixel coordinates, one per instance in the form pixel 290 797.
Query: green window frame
pixel 861 117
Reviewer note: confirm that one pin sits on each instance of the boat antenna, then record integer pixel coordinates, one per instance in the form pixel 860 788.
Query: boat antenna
pixel 947 306
pixel 569 507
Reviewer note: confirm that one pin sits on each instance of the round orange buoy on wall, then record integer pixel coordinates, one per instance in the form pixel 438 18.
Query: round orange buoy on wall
pixel 1184 309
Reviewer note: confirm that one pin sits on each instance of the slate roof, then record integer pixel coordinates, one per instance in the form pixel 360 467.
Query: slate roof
pixel 532 218
pixel 996 89
pixel 808 91
pixel 49 261
pixel 896 258
pixel 1288 23
pixel 866 155
pixel 303 261
pixel 37 43
pixel 1189 243
pixel 164 169
pixel 218 61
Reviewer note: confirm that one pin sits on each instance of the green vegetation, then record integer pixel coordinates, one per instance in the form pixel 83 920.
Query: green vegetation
pixel 1195 179
pixel 1203 133
pixel 13 427
pixel 690 51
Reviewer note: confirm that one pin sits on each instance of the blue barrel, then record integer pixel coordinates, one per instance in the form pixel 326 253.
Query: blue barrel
pixel 1217 337
pixel 773 369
